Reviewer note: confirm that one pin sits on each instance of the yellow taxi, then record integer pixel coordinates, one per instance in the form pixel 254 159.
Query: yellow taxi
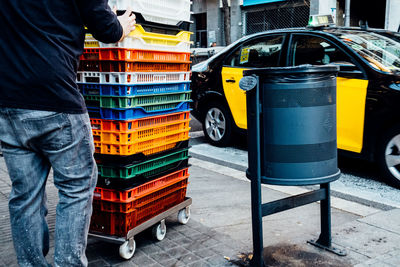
pixel 368 86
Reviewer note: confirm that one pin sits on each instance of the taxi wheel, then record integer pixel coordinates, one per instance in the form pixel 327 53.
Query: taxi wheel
pixel 389 156
pixel 217 124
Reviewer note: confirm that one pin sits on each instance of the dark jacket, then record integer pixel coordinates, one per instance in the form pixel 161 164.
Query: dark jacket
pixel 40 44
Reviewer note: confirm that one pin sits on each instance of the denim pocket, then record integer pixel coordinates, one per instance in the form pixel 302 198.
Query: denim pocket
pixel 51 130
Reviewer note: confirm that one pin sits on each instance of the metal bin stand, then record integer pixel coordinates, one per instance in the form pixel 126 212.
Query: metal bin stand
pixel 291 118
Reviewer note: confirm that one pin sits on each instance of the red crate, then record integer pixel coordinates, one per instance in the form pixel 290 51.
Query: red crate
pixel 119 224
pixel 123 66
pixel 115 207
pixel 145 199
pixel 115 224
pixel 126 54
pixel 178 179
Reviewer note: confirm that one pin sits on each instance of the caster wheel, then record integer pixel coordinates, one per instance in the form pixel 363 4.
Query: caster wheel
pixel 127 250
pixel 184 215
pixel 159 231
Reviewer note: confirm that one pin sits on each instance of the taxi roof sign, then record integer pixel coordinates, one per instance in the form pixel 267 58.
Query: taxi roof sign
pixel 320 20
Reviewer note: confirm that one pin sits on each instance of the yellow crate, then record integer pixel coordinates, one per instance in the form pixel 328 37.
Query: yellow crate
pixel 158 38
pixel 90 41
pixel 139 39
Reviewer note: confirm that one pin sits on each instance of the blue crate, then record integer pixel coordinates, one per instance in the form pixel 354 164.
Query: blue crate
pixel 133 113
pixel 131 90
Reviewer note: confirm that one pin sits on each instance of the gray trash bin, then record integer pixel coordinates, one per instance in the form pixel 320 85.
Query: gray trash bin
pixel 297 108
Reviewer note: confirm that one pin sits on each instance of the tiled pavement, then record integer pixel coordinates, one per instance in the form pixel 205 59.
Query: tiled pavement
pixel 184 245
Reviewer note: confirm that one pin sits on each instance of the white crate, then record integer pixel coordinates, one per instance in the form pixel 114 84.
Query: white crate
pixel 139 43
pixel 132 77
pixel 169 12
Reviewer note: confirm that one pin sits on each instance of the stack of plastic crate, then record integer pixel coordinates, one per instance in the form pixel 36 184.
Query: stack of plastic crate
pixel 138 93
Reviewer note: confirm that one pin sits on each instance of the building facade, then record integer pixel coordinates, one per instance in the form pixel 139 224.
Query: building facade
pixel 250 16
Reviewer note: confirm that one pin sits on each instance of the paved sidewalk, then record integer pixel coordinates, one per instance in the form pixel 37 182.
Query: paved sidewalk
pixel 220 227
pixel 192 244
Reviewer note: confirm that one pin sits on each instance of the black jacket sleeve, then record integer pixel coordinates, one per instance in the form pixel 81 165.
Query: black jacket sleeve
pixel 101 22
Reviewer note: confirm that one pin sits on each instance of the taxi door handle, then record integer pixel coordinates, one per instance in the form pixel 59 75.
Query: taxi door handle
pixel 230 81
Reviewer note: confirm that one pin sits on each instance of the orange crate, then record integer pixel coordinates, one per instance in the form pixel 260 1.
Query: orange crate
pixel 126 54
pixel 123 66
pixel 147 147
pixel 119 224
pixel 140 135
pixel 178 178
pixel 138 124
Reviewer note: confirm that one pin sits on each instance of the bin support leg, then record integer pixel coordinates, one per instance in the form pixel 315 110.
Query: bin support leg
pixel 325 238
pixel 258 245
pixel 256 205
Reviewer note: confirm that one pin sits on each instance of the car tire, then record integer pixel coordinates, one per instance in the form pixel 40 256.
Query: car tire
pixel 217 124
pixel 389 156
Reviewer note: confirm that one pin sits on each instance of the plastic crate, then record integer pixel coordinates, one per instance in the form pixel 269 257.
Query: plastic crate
pixel 90 41
pixel 135 113
pixel 148 168
pixel 147 147
pixel 123 161
pixel 161 11
pixel 134 55
pixel 148 102
pixel 114 207
pixel 119 224
pixel 138 192
pixel 123 66
pixel 144 193
pixel 138 43
pixel 123 184
pixel 132 90
pixel 151 37
pixel 140 135
pixel 181 26
pixel 139 124
pixel 140 39
pixel 132 77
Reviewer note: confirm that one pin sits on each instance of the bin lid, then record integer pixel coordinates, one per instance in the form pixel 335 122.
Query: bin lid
pixel 301 69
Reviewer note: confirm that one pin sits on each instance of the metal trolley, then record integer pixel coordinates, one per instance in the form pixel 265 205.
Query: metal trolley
pixel 159 229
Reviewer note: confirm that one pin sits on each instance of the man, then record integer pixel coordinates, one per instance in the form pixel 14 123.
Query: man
pixel 44 121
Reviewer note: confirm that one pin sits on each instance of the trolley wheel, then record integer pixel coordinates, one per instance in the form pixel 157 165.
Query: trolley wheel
pixel 127 249
pixel 159 231
pixel 184 215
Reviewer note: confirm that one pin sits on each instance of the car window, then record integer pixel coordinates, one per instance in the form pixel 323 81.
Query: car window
pixel 306 49
pixel 380 49
pixel 257 53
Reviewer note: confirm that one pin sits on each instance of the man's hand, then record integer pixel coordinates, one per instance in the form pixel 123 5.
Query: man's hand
pixel 128 22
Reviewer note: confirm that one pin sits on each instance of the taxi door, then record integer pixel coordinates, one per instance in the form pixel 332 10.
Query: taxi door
pixel 256 53
pixel 351 85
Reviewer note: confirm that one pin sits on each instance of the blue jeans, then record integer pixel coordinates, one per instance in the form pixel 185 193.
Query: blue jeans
pixel 32 142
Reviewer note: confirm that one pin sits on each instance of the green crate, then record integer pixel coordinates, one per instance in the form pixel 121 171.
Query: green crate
pixel 148 168
pixel 144 101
